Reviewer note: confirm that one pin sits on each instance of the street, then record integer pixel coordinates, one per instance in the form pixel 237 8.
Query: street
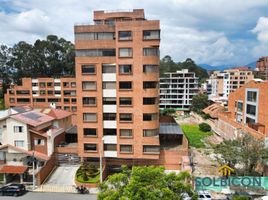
pixel 51 196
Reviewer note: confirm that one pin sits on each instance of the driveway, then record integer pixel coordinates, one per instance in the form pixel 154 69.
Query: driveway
pixel 63 175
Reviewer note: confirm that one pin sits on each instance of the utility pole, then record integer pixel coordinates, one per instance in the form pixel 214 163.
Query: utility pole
pixel 101 150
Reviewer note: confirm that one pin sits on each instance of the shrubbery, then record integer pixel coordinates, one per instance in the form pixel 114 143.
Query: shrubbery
pixel 204 127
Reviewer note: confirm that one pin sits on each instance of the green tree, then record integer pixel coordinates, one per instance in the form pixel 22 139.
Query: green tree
pixel 244 154
pixel 204 127
pixel 146 183
pixel 167 111
pixel 199 102
pixel 5 70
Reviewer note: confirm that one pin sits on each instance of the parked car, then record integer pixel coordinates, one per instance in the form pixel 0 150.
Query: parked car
pixel 13 189
pixel 185 196
pixel 204 195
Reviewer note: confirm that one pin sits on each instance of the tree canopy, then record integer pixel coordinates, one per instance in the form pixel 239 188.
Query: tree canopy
pixel 199 102
pixel 50 57
pixel 146 183
pixel 243 154
pixel 168 65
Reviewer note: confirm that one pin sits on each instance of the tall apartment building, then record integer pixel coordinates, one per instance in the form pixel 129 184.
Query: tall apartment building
pixel 117 73
pixel 223 83
pixel 247 111
pixel 262 67
pixel 177 89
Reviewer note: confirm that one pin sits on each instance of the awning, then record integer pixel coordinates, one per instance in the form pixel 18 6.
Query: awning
pixel 170 128
pixel 10 169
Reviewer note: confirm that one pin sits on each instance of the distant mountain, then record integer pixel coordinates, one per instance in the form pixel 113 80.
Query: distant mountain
pixel 252 65
pixel 217 67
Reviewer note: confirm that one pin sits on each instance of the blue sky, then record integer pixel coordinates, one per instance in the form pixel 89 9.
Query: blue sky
pixel 215 32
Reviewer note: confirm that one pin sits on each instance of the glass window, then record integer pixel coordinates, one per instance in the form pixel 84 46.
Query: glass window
pixel 89 101
pixel 151 149
pixel 109 116
pixel 42 84
pixel 125 35
pixel 18 129
pixel 251 109
pixel 109 101
pixel 252 96
pixel 150 116
pixel 109 147
pixel 94 36
pixel 125 69
pixel 90 132
pixel 109 131
pixel 239 106
pixel 149 100
pixel 151 51
pixel 94 52
pixel 126 148
pixel 88 69
pixel 108 68
pixel 151 34
pixel 126 133
pixel 90 117
pixel 125 52
pixel 19 143
pixel 125 117
pixel 149 84
pixel 150 132
pixel 39 142
pixel 150 68
pixel 49 84
pixel 125 85
pixel 90 147
pixel 89 85
pixel 109 85
pixel 125 101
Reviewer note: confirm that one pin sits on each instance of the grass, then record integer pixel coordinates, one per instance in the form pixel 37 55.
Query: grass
pixel 194 135
pixel 2 104
pixel 90 180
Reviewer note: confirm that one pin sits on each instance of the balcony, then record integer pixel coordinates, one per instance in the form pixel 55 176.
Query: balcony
pixel 110 139
pixel 109 124
pixel 109 92
pixel 109 77
pixel 111 154
pixel 109 108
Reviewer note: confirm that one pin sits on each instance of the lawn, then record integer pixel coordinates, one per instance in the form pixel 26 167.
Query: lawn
pixel 194 135
pixel 2 104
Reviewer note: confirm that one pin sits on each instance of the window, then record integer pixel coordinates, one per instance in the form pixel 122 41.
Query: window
pixel 69 93
pixel 39 142
pixel 53 100
pixel 57 92
pixel 125 85
pixel 90 117
pixel 73 100
pixel 109 101
pixel 90 132
pixel 66 100
pixel 34 84
pixel 109 147
pixel 151 149
pixel 109 85
pixel 250 120
pixel 252 96
pixel 150 116
pixel 108 68
pixel 89 85
pixel 56 84
pixel 149 100
pixel 18 129
pixel 66 84
pixel 73 84
pixel 150 68
pixel 49 84
pixel 74 108
pixel 125 35
pixel 125 101
pixel 66 108
pixel 90 147
pixel 23 100
pixel 125 69
pixel 94 52
pixel 42 84
pixel 95 36
pixel 240 106
pixel 23 92
pixel 88 69
pixel 109 116
pixel 107 131
pixel 50 92
pixel 125 117
pixel 150 132
pixel 126 148
pixel 89 101
pixel 11 100
pixel 39 100
pixel 149 84
pixel 251 109
pixel 151 35
pixel 126 133
pixel 19 143
pixel 125 52
pixel 151 51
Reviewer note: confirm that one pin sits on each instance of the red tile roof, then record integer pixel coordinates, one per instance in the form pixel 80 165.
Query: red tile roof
pixel 56 113
pixel 10 169
pixel 33 118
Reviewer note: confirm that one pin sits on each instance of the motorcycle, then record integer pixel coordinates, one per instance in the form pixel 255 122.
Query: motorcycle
pixel 82 190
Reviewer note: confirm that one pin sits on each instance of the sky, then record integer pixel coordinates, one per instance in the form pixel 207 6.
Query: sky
pixel 215 32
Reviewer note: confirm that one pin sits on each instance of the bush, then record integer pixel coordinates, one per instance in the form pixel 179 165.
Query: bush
pixel 204 127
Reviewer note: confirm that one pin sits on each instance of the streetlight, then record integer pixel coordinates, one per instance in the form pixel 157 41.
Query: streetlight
pixel 33 171
pixel 101 150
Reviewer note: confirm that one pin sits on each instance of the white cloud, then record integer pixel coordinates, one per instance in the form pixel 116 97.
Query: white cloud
pixel 261 29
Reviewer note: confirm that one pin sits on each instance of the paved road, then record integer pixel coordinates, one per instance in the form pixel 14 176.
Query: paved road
pixel 51 196
pixel 63 175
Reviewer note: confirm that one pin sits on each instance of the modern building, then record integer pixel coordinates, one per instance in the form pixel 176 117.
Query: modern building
pixel 223 83
pixel 117 71
pixel 247 111
pixel 25 133
pixel 44 92
pixel 262 67
pixel 177 90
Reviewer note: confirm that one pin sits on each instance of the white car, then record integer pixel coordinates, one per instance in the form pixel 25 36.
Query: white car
pixel 204 195
pixel 185 196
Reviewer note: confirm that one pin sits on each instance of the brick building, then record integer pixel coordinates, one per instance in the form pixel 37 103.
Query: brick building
pixel 247 111
pixel 262 67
